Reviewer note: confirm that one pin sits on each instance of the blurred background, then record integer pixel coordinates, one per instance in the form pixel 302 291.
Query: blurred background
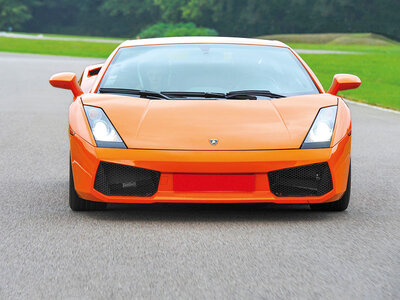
pixel 333 36
pixel 248 18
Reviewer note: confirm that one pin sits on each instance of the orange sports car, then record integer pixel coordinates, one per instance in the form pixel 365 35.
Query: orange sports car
pixel 207 120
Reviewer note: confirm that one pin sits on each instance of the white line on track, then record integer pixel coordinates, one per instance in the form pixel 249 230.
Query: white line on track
pixel 373 106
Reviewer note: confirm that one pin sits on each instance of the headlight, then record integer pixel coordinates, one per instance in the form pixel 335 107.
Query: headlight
pixel 103 131
pixel 321 131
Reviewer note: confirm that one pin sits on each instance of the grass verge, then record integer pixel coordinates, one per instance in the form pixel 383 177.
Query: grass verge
pixel 52 47
pixel 371 39
pixel 377 65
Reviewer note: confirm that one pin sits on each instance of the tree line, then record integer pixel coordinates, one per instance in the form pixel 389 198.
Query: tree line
pixel 248 18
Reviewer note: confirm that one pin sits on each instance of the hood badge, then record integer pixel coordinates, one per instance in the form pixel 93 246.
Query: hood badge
pixel 213 141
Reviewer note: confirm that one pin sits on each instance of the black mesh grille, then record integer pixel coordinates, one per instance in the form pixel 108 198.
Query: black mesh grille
pixel 310 180
pixel 120 180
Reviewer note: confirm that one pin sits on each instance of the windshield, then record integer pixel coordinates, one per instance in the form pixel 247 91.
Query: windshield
pixel 212 68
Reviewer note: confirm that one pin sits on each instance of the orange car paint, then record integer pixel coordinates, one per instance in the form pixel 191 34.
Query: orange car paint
pixel 343 82
pixel 343 123
pixel 66 81
pixel 188 125
pixel 85 159
pixel 87 79
pixel 168 143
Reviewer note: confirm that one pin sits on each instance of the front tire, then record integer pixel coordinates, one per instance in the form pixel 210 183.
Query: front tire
pixel 339 205
pixel 79 204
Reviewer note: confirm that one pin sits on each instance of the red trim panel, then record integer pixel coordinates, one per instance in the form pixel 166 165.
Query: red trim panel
pixel 214 182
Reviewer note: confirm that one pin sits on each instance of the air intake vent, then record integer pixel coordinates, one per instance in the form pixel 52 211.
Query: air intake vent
pixel 310 180
pixel 94 71
pixel 120 180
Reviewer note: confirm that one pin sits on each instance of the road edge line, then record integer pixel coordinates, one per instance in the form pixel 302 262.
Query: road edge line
pixel 373 106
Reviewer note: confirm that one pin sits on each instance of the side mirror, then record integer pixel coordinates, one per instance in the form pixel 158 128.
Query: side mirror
pixel 66 81
pixel 343 82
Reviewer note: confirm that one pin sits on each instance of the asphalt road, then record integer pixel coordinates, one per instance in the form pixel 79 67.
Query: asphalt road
pixel 183 251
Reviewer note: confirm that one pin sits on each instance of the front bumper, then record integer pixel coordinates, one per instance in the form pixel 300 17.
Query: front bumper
pixel 86 158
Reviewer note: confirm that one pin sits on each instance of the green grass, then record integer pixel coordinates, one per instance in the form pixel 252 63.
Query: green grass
pixel 333 38
pixel 377 65
pixel 67 48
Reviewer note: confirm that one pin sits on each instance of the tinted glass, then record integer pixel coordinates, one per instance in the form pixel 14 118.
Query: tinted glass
pixel 208 68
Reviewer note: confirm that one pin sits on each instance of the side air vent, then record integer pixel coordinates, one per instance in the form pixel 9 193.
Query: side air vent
pixel 121 180
pixel 94 71
pixel 309 180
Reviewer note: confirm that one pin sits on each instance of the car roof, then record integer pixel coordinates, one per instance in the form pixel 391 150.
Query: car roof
pixel 201 40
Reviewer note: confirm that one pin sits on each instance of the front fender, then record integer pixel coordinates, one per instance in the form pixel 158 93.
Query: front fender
pixel 78 123
pixel 343 123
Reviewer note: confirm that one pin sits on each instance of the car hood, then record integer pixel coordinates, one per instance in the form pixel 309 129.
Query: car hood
pixel 192 124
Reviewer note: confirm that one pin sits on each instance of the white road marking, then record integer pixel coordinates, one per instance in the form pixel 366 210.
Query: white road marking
pixel 373 106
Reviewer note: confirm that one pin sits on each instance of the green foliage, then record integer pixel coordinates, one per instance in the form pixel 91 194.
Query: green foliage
pixel 180 29
pixel 118 7
pixel 171 10
pixel 228 17
pixel 13 13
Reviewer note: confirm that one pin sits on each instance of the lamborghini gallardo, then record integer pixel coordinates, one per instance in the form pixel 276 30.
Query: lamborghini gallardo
pixel 207 120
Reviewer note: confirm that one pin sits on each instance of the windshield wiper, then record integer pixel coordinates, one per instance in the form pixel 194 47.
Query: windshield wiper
pixel 243 95
pixel 246 94
pixel 141 93
pixel 194 94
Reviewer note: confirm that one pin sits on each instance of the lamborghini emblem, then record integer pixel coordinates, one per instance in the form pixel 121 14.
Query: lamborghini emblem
pixel 213 142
